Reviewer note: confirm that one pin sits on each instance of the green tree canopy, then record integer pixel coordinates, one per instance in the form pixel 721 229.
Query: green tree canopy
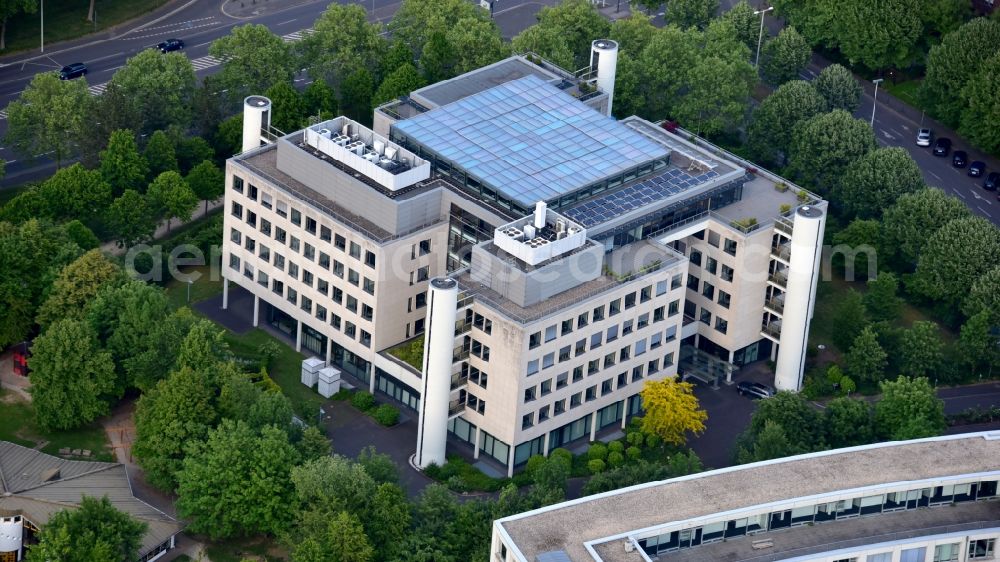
pixel 909 223
pixel 839 88
pixel 955 257
pixel 922 350
pixel 792 103
pixel 691 13
pixel 882 300
pixel 785 56
pixel 121 164
pixel 547 42
pixel 771 442
pixel 745 24
pixel 875 181
pixel 717 96
pixel 908 409
pixel 577 22
pixel 437 59
pixel 78 283
pixel 982 110
pixel 253 58
pixel 130 219
pixel 171 197
pixel 984 296
pixel 94 531
pixel 978 344
pixel 801 422
pixel 319 99
pixel 49 117
pixel 477 42
pixel 955 63
pixel 207 182
pixel 824 146
pixel 72 379
pixel 343 42
pixel 848 422
pixel 632 33
pixel 9 9
pixel 849 319
pixel 416 20
pixel 237 482
pixel 866 360
pixel 159 89
pixel 356 95
pixel 398 83
pixel 288 110
pixel 75 193
pixel 161 154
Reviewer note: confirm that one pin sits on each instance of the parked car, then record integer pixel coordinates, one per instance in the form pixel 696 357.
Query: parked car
pixel 71 71
pixel 992 181
pixel 754 389
pixel 959 159
pixel 942 147
pixel 977 169
pixel 170 45
pixel 924 137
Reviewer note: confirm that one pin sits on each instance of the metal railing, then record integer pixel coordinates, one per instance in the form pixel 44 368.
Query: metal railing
pixel 783 225
pixel 779 278
pixel 459 380
pixel 776 304
pixel 782 251
pixel 455 407
pixel 772 328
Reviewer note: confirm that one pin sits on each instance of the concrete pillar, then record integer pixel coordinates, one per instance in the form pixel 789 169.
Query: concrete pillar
pixel 371 378
pixel 510 461
pixel 479 437
pixel 697 339
pixel 593 426
pixel 624 412
pixel 432 426
pixel 774 351
pixel 606 53
pixel 729 371
pixel 803 269
pixel 225 293
pixel 329 351
pixel 256 310
pixel 298 336
pixel 545 445
pixel 256 117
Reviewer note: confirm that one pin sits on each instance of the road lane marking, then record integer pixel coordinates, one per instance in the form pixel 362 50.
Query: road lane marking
pixel 935 175
pixel 985 212
pixel 157 35
pixel 960 194
pixel 180 23
pixel 3 114
pixel 887 135
pixel 284 22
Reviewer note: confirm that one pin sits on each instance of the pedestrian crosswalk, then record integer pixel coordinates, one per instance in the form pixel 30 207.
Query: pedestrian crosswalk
pixel 205 62
pixel 296 36
pixel 98 89
pixel 3 114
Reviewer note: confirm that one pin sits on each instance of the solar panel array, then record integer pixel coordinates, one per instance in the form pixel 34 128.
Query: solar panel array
pixel 529 140
pixel 601 209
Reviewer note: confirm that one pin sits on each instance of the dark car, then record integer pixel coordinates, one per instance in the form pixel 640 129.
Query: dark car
pixel 942 147
pixel 754 389
pixel 71 71
pixel 977 169
pixel 959 159
pixel 170 45
pixel 992 181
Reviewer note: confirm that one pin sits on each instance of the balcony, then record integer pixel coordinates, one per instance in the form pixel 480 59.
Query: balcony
pixel 455 408
pixel 776 304
pixel 459 380
pixel 782 251
pixel 783 225
pixel 772 329
pixel 779 278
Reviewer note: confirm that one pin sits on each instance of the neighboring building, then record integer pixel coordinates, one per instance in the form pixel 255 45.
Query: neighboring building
pixel 926 500
pixel 562 229
pixel 34 486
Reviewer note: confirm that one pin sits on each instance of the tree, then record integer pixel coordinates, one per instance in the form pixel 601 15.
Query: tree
pixel 131 219
pixel 691 13
pixel 159 89
pixel 389 520
pixel 866 360
pixel 824 146
pixel 984 296
pixel 839 88
pixel 320 99
pixel 979 344
pixel 9 9
pixel 313 444
pixel 72 379
pixel 81 235
pixel 96 530
pixel 179 410
pixel 288 111
pixel 237 482
pixel 331 484
pixel 799 420
pixel 849 319
pixel 398 83
pixel 160 154
pixel 228 138
pixel 50 116
pixel 477 42
pixel 189 150
pixel 75 192
pixel 792 103
pixel 203 344
pixel 121 164
pixel 343 41
pixel 346 540
pixel 207 182
pixel 718 94
pixel 78 283
pixel 437 59
pixel 983 106
pixel 745 24
pixel 771 442
pixel 877 35
pixel 579 22
pixel 848 422
pixel 672 410
pixel 379 466
pixel 416 20
pixel 785 56
pixel 546 42
pixel 171 197
pixel 909 223
pixel 908 409
pixel 356 95
pixel 955 257
pixel 922 349
pixel 956 62
pixel 875 181
pixel 882 300
pixel 253 58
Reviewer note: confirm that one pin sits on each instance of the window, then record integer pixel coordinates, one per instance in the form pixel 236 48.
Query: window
pixel 353 277
pixel 234 262
pixel 252 192
pixel 307 304
pixel 338 269
pixel 656 340
pixel 423 274
pixel 479 321
pixel 527 420
pixel 593 366
pixel 324 260
pixel 277 287
pixel 370 259
pixel 575 400
pixel 545 388
pixel 708 290
pixel 558 407
pixel 562 381
pixel 706 317
pixel 321 312
pixel 325 234
pixel 692 283
pixel 661 288
pixel 350 329
pixel 265 227
pixel 676 281
pixel 578 373
pixel 322 286
pixel 279 261
pixel 309 252
pixel 599 313
pixel 293 243
pixel 581 320
pixel 609 360
pixel 355 250
pixel 625 353
pixel 248 271
pixel 659 314
pixel 640 347
pixel 529 394
pixel 237 184
pixel 671 333
pixel 713 238
pixel 668 360
pixel 236 236
pixel 534 340
pixel 721 325
pixel 311 225
pixel 730 247
pixel 912 554
pixel 548 360
pixel 674 308
pixel 727 273
pixel 418 326
pixel 946 552
pixel 567 327
pixel 481 351
pixel 340 242
pixel 335 321
pixel 282 209
pixel 696 257
pixel 237 210
pixel 629 301
pixel 550 333
pixel 338 295
pixel 307 278
pixel 614 307
pixel 543 414
pixel 653 366
pixel 368 286
pixel 367 312
pixel 293 270
pixel 607 387
pixel 612 333
pixel 592 393
pixel 981 549
pixel 627 327
pixel 292 295
pixel 646 294
pixel 565 353
pixel 280 235
pixel 724 299
pixel 421 300
pixel 252 219
pixel 251 244
pixel 296 217
pixel 265 200
pixel 581 347
pixel 366 340
pixel 424 247
pixel 351 304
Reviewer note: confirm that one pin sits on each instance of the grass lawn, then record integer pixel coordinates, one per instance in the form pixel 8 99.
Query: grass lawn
pixel 908 91
pixel 17 424
pixel 204 287
pixel 67 19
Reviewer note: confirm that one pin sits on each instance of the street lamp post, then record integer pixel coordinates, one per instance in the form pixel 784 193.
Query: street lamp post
pixel 760 36
pixel 877 81
pixel 42 2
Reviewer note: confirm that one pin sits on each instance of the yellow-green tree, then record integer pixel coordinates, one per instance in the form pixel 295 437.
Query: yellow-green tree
pixel 672 410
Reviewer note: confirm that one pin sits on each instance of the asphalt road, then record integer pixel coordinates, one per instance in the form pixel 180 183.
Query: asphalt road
pixel 198 23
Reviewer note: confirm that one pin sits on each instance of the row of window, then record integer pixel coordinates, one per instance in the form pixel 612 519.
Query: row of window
pixel 979 549
pixel 708 291
pixel 714 240
pixel 590 394
pixel 612 333
pixel 712 265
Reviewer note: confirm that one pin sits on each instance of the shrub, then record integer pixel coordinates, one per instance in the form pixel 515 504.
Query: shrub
pixel 597 451
pixel 616 447
pixel 635 438
pixel 363 400
pixel 562 454
pixel 652 441
pixel 534 462
pixel 386 414
pixel 616 459
pixel 457 484
pixel 633 453
pixel 596 466
pixel 433 471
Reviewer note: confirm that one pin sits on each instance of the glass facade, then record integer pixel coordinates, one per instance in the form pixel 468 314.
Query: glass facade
pixel 390 385
pixel 465 230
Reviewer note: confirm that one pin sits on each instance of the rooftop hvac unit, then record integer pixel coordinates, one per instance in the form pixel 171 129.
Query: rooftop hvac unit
pixel 379 147
pixel 560 235
pixel 573 230
pixel 346 129
pixel 390 152
pixel 529 231
pixel 324 133
pixel 371 157
pixel 560 226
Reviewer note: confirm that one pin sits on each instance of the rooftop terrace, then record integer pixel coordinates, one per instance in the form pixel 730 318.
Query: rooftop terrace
pixel 569 525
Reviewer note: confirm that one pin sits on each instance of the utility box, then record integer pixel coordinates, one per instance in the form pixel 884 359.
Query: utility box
pixel 329 381
pixel 310 370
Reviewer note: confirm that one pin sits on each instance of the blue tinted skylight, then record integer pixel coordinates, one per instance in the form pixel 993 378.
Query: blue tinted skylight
pixel 529 140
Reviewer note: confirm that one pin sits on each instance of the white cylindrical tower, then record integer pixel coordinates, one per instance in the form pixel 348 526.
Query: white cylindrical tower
pixel 439 343
pixel 803 274
pixel 604 59
pixel 256 117
pixel 11 536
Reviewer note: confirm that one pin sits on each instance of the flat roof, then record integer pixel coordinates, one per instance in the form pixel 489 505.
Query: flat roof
pixel 567 526
pixel 530 141
pixel 475 81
